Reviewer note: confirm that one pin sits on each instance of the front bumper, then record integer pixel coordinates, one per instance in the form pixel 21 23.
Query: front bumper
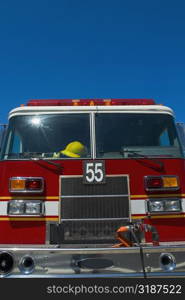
pixel 56 262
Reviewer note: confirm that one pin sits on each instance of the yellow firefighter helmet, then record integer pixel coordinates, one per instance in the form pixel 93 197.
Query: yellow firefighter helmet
pixel 74 149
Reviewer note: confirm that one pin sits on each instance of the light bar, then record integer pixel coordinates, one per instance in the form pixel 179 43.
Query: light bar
pixel 89 102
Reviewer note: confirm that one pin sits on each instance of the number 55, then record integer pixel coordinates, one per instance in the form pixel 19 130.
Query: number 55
pixel 94 172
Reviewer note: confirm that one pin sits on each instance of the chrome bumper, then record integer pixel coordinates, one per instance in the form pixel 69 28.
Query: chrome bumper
pixel 95 262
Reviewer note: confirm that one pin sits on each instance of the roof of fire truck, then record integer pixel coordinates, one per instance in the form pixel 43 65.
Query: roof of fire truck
pixel 54 106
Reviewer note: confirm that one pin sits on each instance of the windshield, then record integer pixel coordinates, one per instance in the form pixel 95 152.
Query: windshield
pixel 67 135
pixel 133 135
pixel 48 136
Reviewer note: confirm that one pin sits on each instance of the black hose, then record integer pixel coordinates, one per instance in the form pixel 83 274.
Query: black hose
pixel 155 235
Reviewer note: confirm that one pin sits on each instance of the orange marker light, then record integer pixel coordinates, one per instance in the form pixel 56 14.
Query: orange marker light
pixel 17 184
pixel 170 182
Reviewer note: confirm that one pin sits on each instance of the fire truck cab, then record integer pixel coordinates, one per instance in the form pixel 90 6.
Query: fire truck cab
pixel 92 188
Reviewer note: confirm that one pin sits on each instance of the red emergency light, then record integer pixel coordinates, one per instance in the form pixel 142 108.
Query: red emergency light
pixel 89 102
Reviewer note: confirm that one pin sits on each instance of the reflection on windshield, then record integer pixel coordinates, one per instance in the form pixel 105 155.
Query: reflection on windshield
pixel 118 135
pixel 54 136
pixel 134 135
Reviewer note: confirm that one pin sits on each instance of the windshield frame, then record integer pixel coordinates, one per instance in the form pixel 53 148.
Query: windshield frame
pixel 92 135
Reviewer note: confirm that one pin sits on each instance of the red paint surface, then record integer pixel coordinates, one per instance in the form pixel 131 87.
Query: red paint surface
pixel 22 232
pixel 34 232
pixel 171 230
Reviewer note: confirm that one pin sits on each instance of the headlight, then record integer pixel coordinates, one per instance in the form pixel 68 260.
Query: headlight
pixel 172 205
pixel 33 208
pixel 16 207
pixel 156 206
pixel 164 205
pixel 25 207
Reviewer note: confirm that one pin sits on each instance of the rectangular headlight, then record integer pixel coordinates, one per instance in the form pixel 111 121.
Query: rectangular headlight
pixel 33 208
pixel 173 205
pixel 164 205
pixel 25 207
pixel 156 206
pixel 16 207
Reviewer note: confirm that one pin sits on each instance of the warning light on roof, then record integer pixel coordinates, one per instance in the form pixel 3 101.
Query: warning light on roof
pixel 107 101
pixel 75 102
pixel 89 102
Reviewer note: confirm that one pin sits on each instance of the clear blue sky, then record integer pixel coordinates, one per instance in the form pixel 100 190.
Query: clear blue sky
pixel 92 49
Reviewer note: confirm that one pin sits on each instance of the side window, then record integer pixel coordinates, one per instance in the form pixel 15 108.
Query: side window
pixel 3 128
pixel 164 138
pixel 181 133
pixel 16 145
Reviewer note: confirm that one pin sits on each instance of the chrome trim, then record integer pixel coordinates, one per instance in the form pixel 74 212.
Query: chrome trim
pixel 93 137
pixel 94 196
pixel 115 275
pixel 26 191
pixel 170 264
pixel 26 270
pixel 161 189
pixel 107 175
pixel 129 198
pixel 126 262
pixel 2 275
pixel 148 109
pixel 96 219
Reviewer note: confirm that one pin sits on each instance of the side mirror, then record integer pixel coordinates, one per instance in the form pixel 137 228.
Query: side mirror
pixel 181 133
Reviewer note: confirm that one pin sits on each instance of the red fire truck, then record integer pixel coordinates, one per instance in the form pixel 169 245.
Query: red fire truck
pixel 92 188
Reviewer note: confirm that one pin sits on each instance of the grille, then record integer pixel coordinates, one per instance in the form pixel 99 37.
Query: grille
pixel 93 212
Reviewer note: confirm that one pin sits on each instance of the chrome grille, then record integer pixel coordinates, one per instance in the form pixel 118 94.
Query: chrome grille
pixel 95 207
pixel 95 231
pixel 93 212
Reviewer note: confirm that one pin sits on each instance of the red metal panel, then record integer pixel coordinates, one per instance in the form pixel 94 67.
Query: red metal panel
pixel 22 232
pixel 170 229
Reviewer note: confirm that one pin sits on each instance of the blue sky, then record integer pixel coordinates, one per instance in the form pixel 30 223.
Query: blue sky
pixel 92 49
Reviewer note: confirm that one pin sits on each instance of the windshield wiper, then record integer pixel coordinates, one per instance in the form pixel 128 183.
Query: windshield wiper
pixel 139 155
pixel 36 156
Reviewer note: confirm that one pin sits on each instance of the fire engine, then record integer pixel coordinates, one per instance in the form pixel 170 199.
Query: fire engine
pixel 92 188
